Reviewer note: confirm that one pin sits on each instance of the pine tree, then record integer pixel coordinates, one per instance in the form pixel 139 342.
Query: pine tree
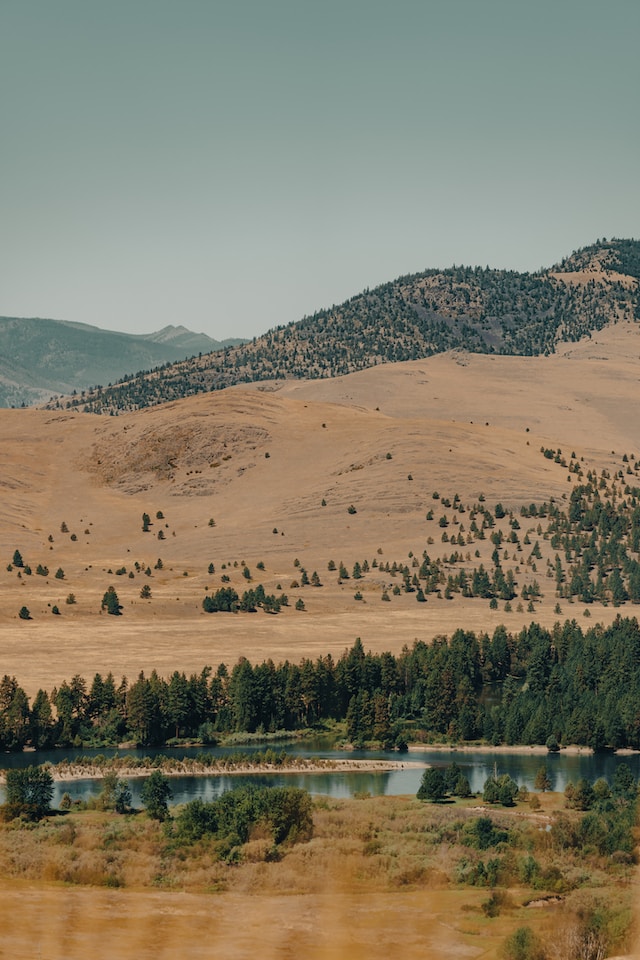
pixel 110 602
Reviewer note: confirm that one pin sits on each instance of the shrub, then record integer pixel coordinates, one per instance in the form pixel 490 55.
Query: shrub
pixel 115 794
pixel 482 834
pixel 286 812
pixel 523 944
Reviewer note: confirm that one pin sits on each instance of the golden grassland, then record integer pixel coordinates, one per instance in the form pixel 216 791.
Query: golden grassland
pixel 378 875
pixel 260 463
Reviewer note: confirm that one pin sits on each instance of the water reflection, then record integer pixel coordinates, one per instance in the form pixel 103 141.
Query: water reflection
pixel 561 768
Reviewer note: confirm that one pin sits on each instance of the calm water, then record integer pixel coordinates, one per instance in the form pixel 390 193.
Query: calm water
pixel 475 766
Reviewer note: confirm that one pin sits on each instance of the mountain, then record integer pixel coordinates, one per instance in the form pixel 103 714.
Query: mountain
pixel 463 308
pixel 40 356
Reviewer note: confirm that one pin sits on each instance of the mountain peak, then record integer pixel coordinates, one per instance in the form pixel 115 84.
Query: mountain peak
pixel 40 357
pixel 172 332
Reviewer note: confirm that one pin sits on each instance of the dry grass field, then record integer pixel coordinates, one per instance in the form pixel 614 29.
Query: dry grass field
pixel 276 467
pixel 378 877
pixel 260 462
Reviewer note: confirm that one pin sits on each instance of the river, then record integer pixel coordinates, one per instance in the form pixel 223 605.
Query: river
pixel 476 766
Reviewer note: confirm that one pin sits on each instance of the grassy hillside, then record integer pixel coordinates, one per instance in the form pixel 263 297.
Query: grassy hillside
pixel 278 474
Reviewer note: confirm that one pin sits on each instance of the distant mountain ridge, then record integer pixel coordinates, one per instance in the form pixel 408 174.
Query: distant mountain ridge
pixel 41 357
pixel 477 309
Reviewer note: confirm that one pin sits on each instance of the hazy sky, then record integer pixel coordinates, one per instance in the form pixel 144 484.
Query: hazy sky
pixel 235 165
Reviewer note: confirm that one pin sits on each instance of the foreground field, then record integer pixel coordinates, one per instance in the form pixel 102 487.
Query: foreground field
pixel 379 875
pixel 56 923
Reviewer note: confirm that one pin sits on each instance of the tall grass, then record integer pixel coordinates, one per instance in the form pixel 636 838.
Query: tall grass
pixel 376 872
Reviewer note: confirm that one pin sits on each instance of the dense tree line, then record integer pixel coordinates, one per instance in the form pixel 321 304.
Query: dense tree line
pixel 538 686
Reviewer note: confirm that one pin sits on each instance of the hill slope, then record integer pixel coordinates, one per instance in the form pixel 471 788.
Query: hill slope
pixel 410 446
pixel 40 357
pixel 462 308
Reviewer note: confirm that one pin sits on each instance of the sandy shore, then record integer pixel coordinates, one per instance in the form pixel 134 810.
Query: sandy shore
pixel 67 772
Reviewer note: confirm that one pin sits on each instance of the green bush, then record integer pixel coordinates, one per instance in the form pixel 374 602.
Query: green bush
pixel 285 811
pixel 523 944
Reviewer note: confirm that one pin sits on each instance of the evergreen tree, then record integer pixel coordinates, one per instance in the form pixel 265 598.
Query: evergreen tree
pixel 110 602
pixel 41 723
pixel 542 781
pixel 433 786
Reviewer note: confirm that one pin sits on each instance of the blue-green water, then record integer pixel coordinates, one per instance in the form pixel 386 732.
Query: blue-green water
pixel 405 780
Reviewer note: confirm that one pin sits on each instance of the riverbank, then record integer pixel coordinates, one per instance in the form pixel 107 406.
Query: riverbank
pixel 523 749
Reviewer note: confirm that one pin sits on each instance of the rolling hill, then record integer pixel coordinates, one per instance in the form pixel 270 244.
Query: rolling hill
pixel 479 310
pixel 384 468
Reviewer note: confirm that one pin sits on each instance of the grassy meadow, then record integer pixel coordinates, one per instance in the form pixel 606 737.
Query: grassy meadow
pixel 377 874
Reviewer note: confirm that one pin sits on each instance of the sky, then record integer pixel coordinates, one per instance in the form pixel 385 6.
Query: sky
pixel 233 166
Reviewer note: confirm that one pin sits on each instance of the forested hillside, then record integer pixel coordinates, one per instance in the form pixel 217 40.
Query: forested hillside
pixel 469 308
